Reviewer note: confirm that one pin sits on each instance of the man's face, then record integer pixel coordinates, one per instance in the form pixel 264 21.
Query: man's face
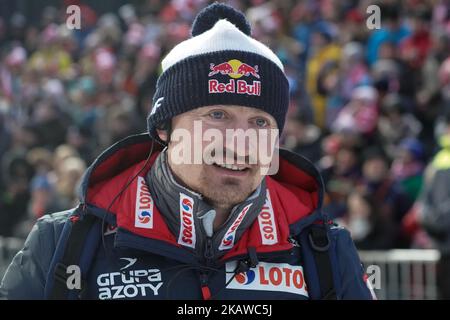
pixel 375 170
pixel 198 131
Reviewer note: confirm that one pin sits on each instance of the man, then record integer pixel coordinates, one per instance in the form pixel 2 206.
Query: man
pixel 157 223
pixel 383 201
pixel 434 204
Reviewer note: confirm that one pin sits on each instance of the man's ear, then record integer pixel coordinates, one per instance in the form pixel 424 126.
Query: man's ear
pixel 163 134
pixel 164 131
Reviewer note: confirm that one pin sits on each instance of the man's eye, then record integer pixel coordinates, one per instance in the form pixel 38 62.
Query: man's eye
pixel 260 122
pixel 217 115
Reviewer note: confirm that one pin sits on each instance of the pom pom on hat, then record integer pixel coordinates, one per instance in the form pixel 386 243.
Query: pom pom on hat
pixel 208 17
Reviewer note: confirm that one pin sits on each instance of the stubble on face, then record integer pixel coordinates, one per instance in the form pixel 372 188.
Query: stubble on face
pixel 220 192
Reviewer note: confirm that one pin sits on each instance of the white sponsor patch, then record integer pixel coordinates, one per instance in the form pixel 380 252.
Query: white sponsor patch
pixel 230 235
pixel 128 283
pixel 143 214
pixel 280 277
pixel 267 226
pixel 187 227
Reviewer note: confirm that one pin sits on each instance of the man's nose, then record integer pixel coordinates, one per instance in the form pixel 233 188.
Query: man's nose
pixel 241 138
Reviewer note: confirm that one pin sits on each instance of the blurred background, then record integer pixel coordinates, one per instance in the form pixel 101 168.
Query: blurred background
pixel 370 107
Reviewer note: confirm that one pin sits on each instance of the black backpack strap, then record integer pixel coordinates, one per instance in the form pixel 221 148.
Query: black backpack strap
pixel 81 225
pixel 320 243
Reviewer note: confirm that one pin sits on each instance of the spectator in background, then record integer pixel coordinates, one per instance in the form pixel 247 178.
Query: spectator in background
pixel 322 51
pixel 340 176
pixel 337 81
pixel 392 74
pixel 11 71
pixel 303 16
pixel 16 195
pixel 444 77
pixel 50 124
pixel 354 71
pixel 395 123
pixel 428 95
pixel 434 209
pixel 382 202
pixel 369 228
pixel 303 137
pixel 415 47
pixel 62 153
pixel 42 186
pixel 408 166
pixel 51 59
pixel 70 172
pixel 393 30
pixel 360 115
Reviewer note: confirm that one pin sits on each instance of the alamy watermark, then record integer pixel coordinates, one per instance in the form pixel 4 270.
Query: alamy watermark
pixel 373 273
pixel 374 20
pixel 238 148
pixel 73 20
pixel 74 277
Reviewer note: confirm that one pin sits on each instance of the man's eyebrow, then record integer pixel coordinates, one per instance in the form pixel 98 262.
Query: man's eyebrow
pixel 264 115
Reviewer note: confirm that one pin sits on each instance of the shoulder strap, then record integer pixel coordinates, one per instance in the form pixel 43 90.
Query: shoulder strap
pixel 81 226
pixel 320 244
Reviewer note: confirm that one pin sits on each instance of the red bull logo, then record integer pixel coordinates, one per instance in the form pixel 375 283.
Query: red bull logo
pixel 187 227
pixel 228 238
pixel 235 69
pixel 280 277
pixel 143 217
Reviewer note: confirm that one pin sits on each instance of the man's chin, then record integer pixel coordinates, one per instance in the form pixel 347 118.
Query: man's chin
pixel 226 191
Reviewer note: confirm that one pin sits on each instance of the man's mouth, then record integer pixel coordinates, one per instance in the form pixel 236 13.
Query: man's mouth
pixel 232 167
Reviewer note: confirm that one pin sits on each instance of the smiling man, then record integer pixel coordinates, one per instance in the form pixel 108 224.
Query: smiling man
pixel 203 214
pixel 225 142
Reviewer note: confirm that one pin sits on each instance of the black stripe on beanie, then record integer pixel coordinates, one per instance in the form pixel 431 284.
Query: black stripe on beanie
pixel 185 86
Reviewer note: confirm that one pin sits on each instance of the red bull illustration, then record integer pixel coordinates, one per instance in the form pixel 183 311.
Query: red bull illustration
pixel 222 68
pixel 247 70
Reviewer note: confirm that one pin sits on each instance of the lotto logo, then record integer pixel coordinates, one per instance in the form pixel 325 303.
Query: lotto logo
pixel 280 277
pixel 143 217
pixel 228 238
pixel 266 221
pixel 187 226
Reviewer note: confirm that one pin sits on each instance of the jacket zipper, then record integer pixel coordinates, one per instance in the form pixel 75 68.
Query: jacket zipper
pixel 209 252
pixel 204 275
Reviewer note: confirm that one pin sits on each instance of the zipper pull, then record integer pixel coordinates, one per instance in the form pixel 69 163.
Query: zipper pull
pixel 293 241
pixel 206 293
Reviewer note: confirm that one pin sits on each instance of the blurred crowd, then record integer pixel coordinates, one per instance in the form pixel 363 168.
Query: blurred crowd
pixel 371 108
